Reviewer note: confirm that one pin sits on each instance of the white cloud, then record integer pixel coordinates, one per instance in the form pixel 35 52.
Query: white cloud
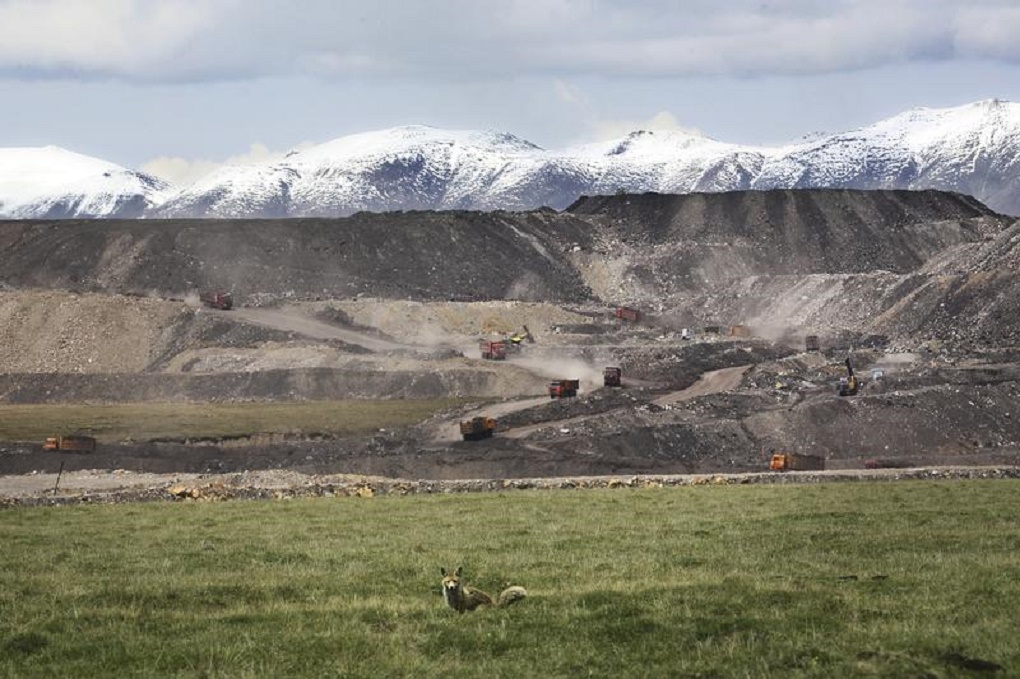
pixel 184 171
pixel 131 37
pixel 989 32
pixel 605 130
pixel 569 93
pixel 175 40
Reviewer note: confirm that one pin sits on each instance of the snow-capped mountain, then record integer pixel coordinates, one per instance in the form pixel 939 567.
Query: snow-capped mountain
pixel 401 168
pixel 53 183
pixel 973 149
pixel 425 168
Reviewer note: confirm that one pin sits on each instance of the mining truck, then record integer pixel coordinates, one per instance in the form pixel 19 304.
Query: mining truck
pixel 493 351
pixel 78 444
pixel 217 299
pixel 811 343
pixel 848 385
pixel 627 314
pixel 783 462
pixel 564 388
pixel 477 428
pixel 612 377
pixel 886 463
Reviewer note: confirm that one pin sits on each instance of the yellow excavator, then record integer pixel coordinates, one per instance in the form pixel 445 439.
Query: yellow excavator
pixel 848 385
pixel 518 338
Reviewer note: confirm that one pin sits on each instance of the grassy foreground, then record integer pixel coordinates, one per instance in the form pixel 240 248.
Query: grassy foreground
pixel 892 579
pixel 146 421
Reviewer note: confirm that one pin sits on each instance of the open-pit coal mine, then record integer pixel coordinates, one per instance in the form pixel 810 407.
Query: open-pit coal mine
pixel 735 319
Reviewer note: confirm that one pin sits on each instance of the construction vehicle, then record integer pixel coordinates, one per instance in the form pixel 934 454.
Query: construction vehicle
pixel 217 300
pixel 883 463
pixel 78 444
pixel 784 462
pixel 564 388
pixel 811 343
pixel 477 428
pixel 515 340
pixel 739 331
pixel 493 350
pixel 612 377
pixel 627 314
pixel 848 385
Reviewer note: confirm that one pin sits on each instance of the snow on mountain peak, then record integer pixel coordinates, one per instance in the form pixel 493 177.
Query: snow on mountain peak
pixel 56 178
pixel 971 149
pixel 410 138
pixel 921 128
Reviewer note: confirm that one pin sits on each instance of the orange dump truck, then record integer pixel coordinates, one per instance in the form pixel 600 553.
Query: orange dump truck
pixel 80 444
pixel 790 462
pixel 477 428
pixel 564 388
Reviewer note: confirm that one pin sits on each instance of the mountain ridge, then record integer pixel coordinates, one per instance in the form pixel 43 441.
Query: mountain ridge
pixel 972 149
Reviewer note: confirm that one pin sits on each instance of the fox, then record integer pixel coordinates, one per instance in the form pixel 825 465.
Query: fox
pixel 461 597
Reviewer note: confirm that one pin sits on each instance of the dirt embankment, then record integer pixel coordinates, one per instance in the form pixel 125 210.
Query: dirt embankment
pixel 91 487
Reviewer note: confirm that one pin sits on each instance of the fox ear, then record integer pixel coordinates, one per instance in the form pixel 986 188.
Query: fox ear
pixel 459 570
pixel 443 571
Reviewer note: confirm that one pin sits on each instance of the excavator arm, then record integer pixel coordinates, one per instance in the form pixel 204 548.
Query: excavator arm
pixel 848 385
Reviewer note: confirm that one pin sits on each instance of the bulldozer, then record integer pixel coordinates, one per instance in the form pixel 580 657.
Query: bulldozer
pixel 848 385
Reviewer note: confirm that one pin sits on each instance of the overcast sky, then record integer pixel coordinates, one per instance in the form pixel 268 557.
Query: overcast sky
pixel 179 86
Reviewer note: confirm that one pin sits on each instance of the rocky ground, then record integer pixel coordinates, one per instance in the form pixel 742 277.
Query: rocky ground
pixel 103 487
pixel 920 289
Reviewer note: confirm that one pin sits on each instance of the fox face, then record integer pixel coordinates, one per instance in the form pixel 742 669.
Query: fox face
pixel 451 582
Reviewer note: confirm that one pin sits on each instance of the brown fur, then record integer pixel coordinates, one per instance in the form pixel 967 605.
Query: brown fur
pixel 462 597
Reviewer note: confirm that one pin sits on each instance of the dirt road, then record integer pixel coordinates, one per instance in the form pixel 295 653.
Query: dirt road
pixel 711 382
pixel 292 320
pixel 447 430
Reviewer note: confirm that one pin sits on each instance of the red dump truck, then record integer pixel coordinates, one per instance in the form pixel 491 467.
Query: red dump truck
pixel 564 388
pixel 612 377
pixel 477 428
pixel 217 299
pixel 789 462
pixel 78 444
pixel 493 351
pixel 627 314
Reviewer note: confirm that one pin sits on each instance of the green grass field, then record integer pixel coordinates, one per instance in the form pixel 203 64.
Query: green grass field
pixel 905 579
pixel 147 421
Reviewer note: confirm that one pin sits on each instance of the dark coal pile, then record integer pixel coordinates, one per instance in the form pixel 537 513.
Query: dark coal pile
pixel 421 255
